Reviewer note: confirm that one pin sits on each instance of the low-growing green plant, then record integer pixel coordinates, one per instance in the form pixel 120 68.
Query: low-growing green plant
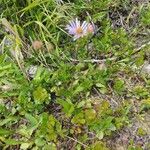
pixel 63 88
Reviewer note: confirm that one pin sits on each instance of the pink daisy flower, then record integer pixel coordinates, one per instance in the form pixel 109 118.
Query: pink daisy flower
pixel 77 29
pixel 91 28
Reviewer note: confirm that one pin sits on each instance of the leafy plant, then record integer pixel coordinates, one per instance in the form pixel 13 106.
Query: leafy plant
pixel 65 94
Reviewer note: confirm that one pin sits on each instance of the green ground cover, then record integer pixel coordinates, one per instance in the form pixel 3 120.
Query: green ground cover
pixel 91 93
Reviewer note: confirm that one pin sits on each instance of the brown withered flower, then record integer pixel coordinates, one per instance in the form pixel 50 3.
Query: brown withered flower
pixel 37 44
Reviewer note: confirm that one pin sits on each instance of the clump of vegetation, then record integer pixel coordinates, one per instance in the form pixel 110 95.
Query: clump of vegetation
pixel 71 75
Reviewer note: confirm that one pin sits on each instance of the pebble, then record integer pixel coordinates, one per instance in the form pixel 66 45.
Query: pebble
pixel 146 68
pixel 32 71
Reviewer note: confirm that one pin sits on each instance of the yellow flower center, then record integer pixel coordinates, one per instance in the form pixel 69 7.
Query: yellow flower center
pixel 79 30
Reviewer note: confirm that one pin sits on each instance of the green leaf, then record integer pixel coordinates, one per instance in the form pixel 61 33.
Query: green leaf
pixel 40 142
pixel 99 146
pixel 5 132
pixel 12 142
pixel 141 132
pixel 90 114
pixel 81 104
pixel 119 85
pixel 78 118
pixel 40 94
pixel 25 146
pixel 68 107
pixel 140 59
pixel 33 121
pixel 145 16
pixel 6 67
pixel 51 120
pixel 7 120
pixel 100 85
pixel 145 104
pixel 78 89
pixel 2 58
pixel 51 133
pixel 50 146
pixel 27 131
pixel 100 135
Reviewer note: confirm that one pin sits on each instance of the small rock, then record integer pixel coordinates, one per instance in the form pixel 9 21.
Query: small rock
pixel 146 68
pixel 102 66
pixel 14 50
pixel 31 71
pixel 6 87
